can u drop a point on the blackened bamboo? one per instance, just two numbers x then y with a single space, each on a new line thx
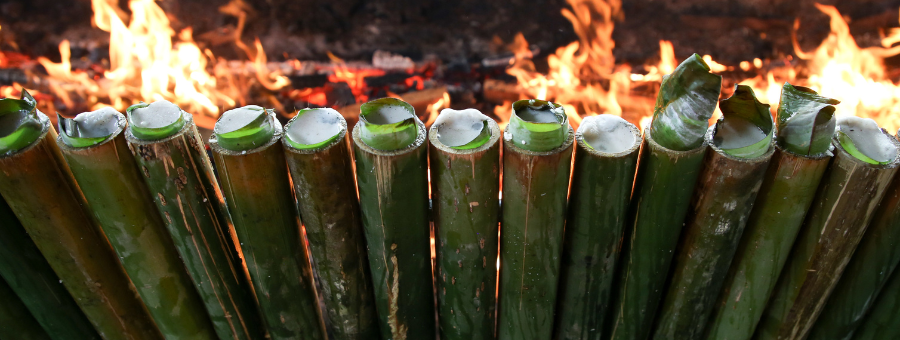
393 194
29 275
881 322
466 208
16 321
115 192
326 197
598 203
179 176
40 190
724 196
257 190
846 199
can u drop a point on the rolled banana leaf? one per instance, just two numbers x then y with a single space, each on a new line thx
39 188
603 174
254 179
94 146
318 156
179 177
391 171
465 177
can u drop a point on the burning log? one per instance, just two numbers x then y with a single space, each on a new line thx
740 147
391 170
465 178
803 143
849 193
672 157
31 279
94 146
251 165
39 188
165 143
318 156
15 320
603 174
537 159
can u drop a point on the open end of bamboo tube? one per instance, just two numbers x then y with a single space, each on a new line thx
687 98
864 140
609 134
20 123
314 128
245 128
91 128
388 124
156 120
463 129
745 129
537 125
805 121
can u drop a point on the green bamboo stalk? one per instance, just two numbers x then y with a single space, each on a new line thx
601 188
727 187
40 190
668 171
112 185
874 260
16 321
254 178
785 196
465 188
391 170
179 177
326 197
847 197
535 185
29 275
881 322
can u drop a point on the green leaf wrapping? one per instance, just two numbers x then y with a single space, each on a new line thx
19 123
389 136
805 121
686 101
743 105
256 133
152 133
302 146
537 136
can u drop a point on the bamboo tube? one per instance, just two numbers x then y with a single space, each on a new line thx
29 275
465 177
179 176
112 185
391 170
322 174
728 185
252 171
881 322
16 322
874 260
39 188
601 188
786 193
848 195
537 158
671 157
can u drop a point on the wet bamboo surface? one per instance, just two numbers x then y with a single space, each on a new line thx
466 208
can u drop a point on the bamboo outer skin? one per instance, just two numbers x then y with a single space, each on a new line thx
785 196
16 322
120 201
535 185
601 190
326 198
720 206
881 321
393 199
663 186
874 260
29 275
846 199
258 194
39 188
466 207
179 177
